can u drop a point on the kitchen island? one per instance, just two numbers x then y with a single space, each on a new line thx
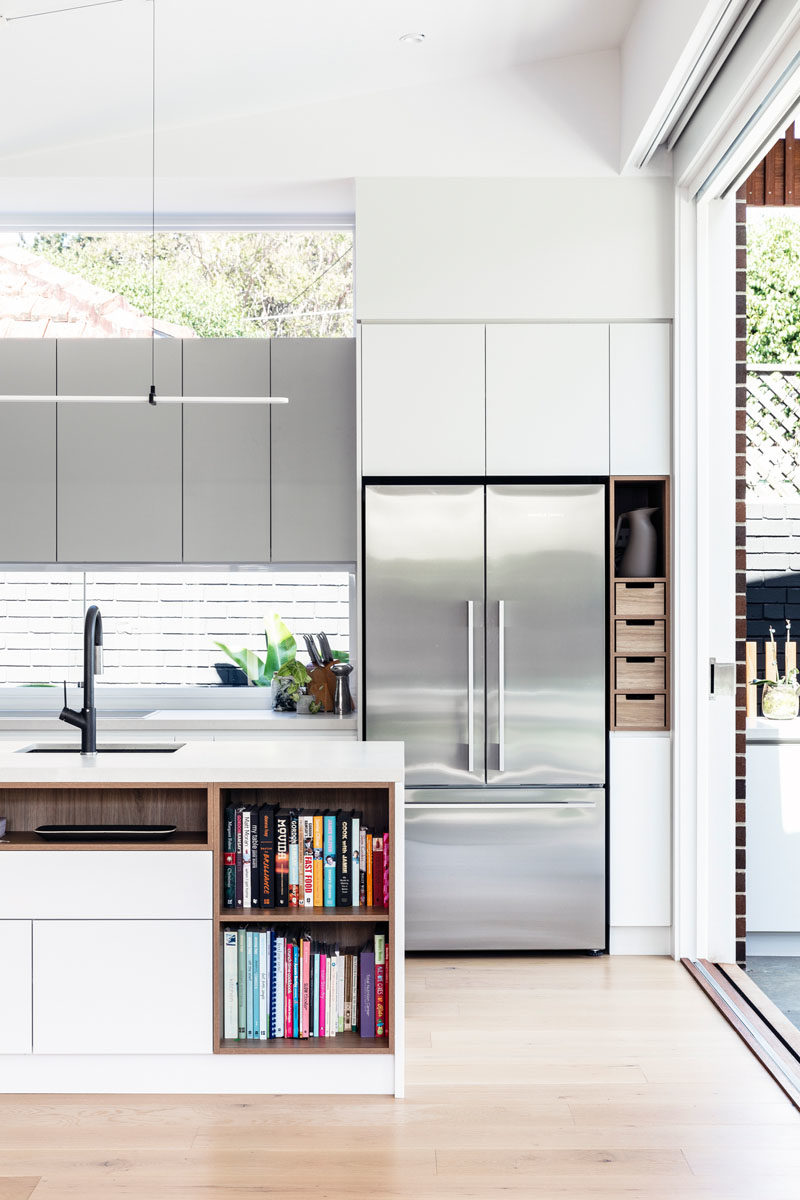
112 951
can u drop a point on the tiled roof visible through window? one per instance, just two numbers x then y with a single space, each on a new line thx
39 299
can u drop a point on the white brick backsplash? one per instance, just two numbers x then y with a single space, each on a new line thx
159 627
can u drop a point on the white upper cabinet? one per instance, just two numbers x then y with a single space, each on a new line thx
641 376
423 400
27 452
547 399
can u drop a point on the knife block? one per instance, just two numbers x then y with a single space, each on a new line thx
322 686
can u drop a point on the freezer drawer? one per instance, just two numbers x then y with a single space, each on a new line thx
524 871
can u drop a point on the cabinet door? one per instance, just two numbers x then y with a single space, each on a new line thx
314 450
27 452
226 483
547 399
226 367
423 400
122 987
640 831
640 375
15 987
119 367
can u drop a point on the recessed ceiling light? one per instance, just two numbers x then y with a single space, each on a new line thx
414 39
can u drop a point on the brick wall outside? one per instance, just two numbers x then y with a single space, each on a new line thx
159 627
741 570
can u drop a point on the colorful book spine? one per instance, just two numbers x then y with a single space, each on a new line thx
239 874
386 870
288 976
294 861
369 869
323 990
247 877
319 866
307 823
366 1021
241 972
282 860
249 984
354 993
295 990
280 986
362 862
380 986
355 860
263 986
230 968
377 872
266 826
330 999
315 992
340 988
230 858
255 861
329 848
305 988
256 985
386 992
343 859
348 994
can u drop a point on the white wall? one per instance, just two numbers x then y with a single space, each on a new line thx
505 249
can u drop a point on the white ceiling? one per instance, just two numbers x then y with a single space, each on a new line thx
290 93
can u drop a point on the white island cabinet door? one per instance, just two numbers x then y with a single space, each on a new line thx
547 399
15 987
122 987
641 389
422 400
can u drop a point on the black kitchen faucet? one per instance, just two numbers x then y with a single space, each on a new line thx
86 719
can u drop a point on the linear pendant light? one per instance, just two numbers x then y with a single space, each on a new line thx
152 398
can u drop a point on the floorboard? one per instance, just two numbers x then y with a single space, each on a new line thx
565 1078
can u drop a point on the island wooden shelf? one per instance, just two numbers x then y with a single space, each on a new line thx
299 916
343 1043
27 840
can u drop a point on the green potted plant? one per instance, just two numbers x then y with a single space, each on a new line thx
279 670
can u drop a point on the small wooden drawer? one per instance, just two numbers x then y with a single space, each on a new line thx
640 599
640 711
640 637
640 674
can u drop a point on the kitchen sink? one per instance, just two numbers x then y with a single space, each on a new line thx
112 748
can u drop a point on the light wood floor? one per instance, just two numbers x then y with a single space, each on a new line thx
548 1078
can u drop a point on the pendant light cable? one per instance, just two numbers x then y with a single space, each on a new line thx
152 396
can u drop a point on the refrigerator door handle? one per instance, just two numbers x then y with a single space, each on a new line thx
470 685
501 685
490 806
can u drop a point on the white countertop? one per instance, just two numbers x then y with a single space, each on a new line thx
763 731
186 719
273 761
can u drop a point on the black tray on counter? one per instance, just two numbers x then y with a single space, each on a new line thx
105 833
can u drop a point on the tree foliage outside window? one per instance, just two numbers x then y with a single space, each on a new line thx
773 290
263 284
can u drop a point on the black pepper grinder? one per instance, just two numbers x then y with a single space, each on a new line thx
342 701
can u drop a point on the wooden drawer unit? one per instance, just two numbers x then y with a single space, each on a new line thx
640 599
640 637
640 711
640 674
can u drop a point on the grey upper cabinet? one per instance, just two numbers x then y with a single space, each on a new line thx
27 452
314 450
226 367
118 367
547 399
119 483
226 452
119 465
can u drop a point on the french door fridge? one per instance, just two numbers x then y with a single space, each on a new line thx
485 652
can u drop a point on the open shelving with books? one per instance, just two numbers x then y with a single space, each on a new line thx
333 929
639 607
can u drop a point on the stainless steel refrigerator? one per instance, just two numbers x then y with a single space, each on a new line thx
485 652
